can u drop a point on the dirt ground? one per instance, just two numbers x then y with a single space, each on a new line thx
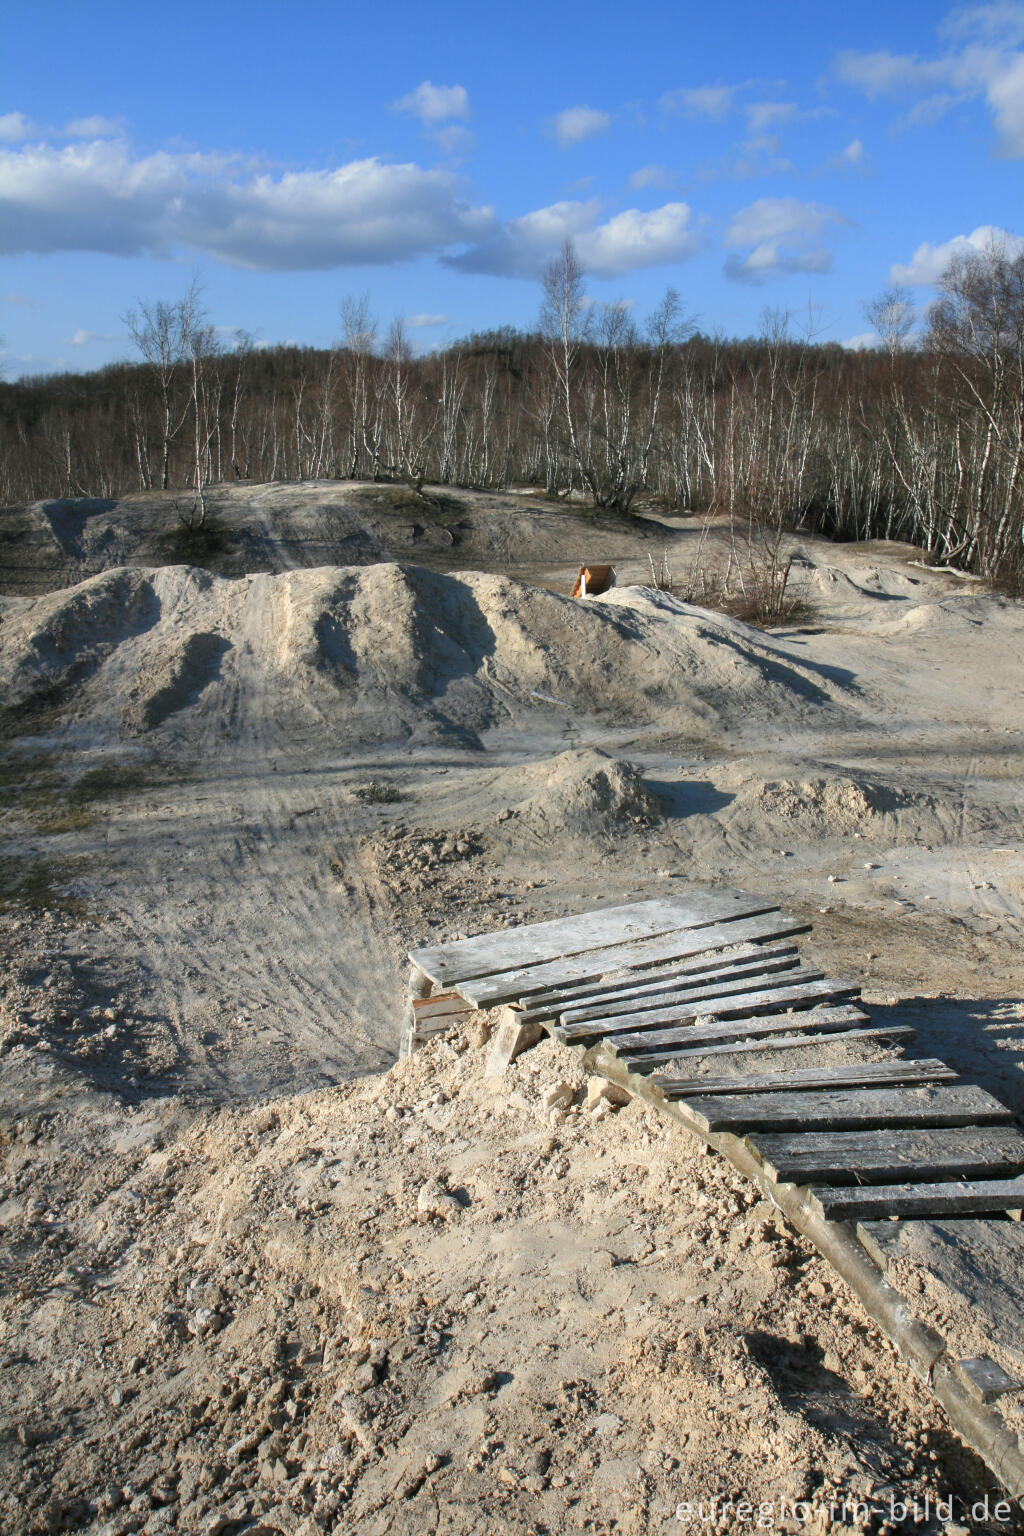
255 1276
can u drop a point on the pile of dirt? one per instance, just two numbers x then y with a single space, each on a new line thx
583 794
841 806
428 1301
381 653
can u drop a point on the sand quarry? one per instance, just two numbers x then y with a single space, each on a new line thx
257 1277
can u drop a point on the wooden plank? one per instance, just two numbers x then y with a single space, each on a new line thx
655 979
973 1267
534 943
715 1003
749 977
898 1034
442 1005
846 1109
888 1157
527 980
954 1199
985 1380
665 1042
857 1074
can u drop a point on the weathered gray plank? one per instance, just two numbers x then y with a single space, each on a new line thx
898 1034
527 980
919 1200
846 1109
666 1041
985 1380
973 1267
658 978
535 943
722 1006
753 976
889 1157
857 1074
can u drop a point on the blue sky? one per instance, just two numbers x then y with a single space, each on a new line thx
794 156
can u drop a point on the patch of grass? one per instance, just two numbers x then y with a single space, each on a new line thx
39 885
53 805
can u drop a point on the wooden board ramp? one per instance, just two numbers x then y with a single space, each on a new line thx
871 1154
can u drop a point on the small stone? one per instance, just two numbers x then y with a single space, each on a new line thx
603 1090
557 1096
434 1200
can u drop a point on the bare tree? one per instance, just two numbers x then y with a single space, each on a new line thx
565 323
160 331
891 315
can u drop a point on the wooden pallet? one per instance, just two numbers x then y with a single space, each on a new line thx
670 998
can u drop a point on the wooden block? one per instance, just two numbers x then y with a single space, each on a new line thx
534 943
918 1200
888 1157
510 1040
897 1034
715 1003
662 978
665 1041
439 1006
858 1074
526 980
985 1380
849 1109
740 978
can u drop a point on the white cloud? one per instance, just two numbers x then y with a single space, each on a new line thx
929 262
14 127
650 176
628 241
852 158
424 322
434 103
866 341
98 197
85 338
576 124
93 128
714 101
762 115
783 235
986 62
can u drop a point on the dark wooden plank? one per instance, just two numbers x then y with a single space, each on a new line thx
897 1034
527 980
535 943
973 1267
985 1380
846 1109
657 979
720 1006
857 1074
664 1042
890 1157
954 1199
755 975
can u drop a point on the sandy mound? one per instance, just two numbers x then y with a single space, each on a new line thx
579 794
839 806
382 653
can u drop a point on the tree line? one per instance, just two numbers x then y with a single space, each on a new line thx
920 440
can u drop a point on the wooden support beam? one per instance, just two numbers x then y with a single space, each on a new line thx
919 1200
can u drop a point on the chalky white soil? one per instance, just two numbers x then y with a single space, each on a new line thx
232 1297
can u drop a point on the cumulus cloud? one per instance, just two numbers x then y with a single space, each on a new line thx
985 62
627 241
14 127
576 124
93 128
650 176
96 196
929 262
434 104
782 235
714 101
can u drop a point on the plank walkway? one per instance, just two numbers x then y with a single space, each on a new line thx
875 1157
